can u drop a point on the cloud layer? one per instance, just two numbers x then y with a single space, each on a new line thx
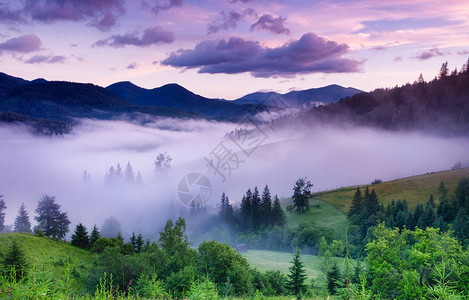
101 14
272 24
22 44
151 36
309 54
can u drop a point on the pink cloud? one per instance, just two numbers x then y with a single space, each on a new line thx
23 44
309 54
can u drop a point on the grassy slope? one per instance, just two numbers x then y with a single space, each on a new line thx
414 189
320 212
47 255
264 260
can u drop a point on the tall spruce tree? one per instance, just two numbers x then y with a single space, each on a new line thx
297 276
278 215
222 212
139 243
256 209
266 208
80 237
129 173
94 236
22 223
15 261
357 204
301 195
246 212
333 279
2 214
52 222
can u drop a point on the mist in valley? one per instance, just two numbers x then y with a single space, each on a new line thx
328 156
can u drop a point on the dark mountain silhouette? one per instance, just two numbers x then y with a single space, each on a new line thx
440 106
177 97
300 99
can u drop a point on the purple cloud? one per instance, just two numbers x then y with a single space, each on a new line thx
429 54
398 58
465 52
159 5
48 59
309 54
101 14
151 36
272 24
23 44
243 1
132 65
229 20
10 16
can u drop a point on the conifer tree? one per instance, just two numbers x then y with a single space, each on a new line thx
256 209
2 214
139 243
266 208
22 223
297 276
94 236
357 203
333 279
80 237
15 259
278 215
129 173
246 211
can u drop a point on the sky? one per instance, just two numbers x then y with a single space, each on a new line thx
228 48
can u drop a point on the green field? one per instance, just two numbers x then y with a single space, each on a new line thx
48 256
414 189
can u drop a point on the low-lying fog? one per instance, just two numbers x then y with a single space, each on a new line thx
31 166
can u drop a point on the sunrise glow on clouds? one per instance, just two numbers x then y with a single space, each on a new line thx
228 48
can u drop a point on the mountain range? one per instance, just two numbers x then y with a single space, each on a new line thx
43 103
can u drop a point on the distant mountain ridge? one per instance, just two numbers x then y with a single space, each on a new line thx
177 97
300 99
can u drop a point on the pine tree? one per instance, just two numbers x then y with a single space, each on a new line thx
229 213
357 204
15 259
52 222
139 243
111 175
420 79
2 214
80 237
222 212
256 209
133 241
22 223
119 174
443 70
297 276
246 211
278 215
94 236
372 203
139 180
266 208
129 173
333 279
301 194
